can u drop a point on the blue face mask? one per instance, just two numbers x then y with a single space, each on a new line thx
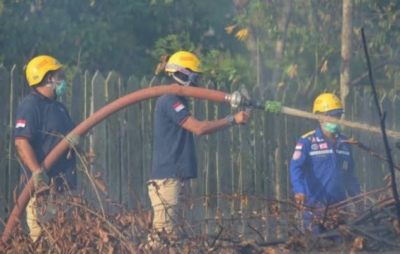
332 127
60 89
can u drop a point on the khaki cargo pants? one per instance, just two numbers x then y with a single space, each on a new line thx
166 196
36 213
32 220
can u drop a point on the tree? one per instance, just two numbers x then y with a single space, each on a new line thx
347 30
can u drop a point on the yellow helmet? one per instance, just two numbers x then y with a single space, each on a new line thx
38 67
182 61
327 103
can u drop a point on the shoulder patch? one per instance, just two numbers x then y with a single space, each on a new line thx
308 134
296 155
178 106
20 123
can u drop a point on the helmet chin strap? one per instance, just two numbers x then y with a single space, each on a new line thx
52 85
185 83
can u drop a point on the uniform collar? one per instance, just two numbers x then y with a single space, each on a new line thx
38 94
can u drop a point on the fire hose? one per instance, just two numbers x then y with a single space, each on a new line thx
100 115
235 99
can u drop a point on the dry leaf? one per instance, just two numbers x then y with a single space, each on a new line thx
274 208
358 244
90 155
98 179
15 195
292 72
396 226
242 34
324 67
161 64
229 29
206 203
110 250
245 200
104 236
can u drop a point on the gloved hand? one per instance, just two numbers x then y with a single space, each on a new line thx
40 179
300 198
273 107
75 141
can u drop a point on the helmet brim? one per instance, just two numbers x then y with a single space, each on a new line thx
335 112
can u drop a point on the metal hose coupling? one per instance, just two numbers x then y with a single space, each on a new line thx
235 99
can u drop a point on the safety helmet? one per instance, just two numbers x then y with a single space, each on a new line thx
328 103
186 63
38 67
183 60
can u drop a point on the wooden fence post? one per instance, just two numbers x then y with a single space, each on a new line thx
5 126
76 110
113 144
134 174
98 141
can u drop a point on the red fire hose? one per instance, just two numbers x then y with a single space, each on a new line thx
97 117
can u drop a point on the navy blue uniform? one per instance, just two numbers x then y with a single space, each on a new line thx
174 153
324 174
42 121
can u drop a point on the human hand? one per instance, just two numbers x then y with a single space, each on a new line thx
74 140
300 198
40 179
242 117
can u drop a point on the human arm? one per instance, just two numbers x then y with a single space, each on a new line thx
25 130
207 127
297 174
26 153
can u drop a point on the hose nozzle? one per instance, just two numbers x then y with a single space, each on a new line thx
235 99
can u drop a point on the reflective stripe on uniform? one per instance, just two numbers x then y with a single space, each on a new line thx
321 152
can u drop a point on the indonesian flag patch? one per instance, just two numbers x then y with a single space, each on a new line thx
299 146
178 106
20 123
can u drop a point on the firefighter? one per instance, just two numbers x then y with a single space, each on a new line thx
174 156
322 166
40 123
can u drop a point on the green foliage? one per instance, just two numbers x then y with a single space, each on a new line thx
172 43
236 43
227 67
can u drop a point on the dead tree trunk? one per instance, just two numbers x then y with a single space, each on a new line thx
347 32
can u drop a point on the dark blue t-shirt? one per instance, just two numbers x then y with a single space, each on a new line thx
43 122
174 153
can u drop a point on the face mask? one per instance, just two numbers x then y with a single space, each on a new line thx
60 89
332 127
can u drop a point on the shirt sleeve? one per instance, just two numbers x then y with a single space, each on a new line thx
352 184
26 122
176 109
297 166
